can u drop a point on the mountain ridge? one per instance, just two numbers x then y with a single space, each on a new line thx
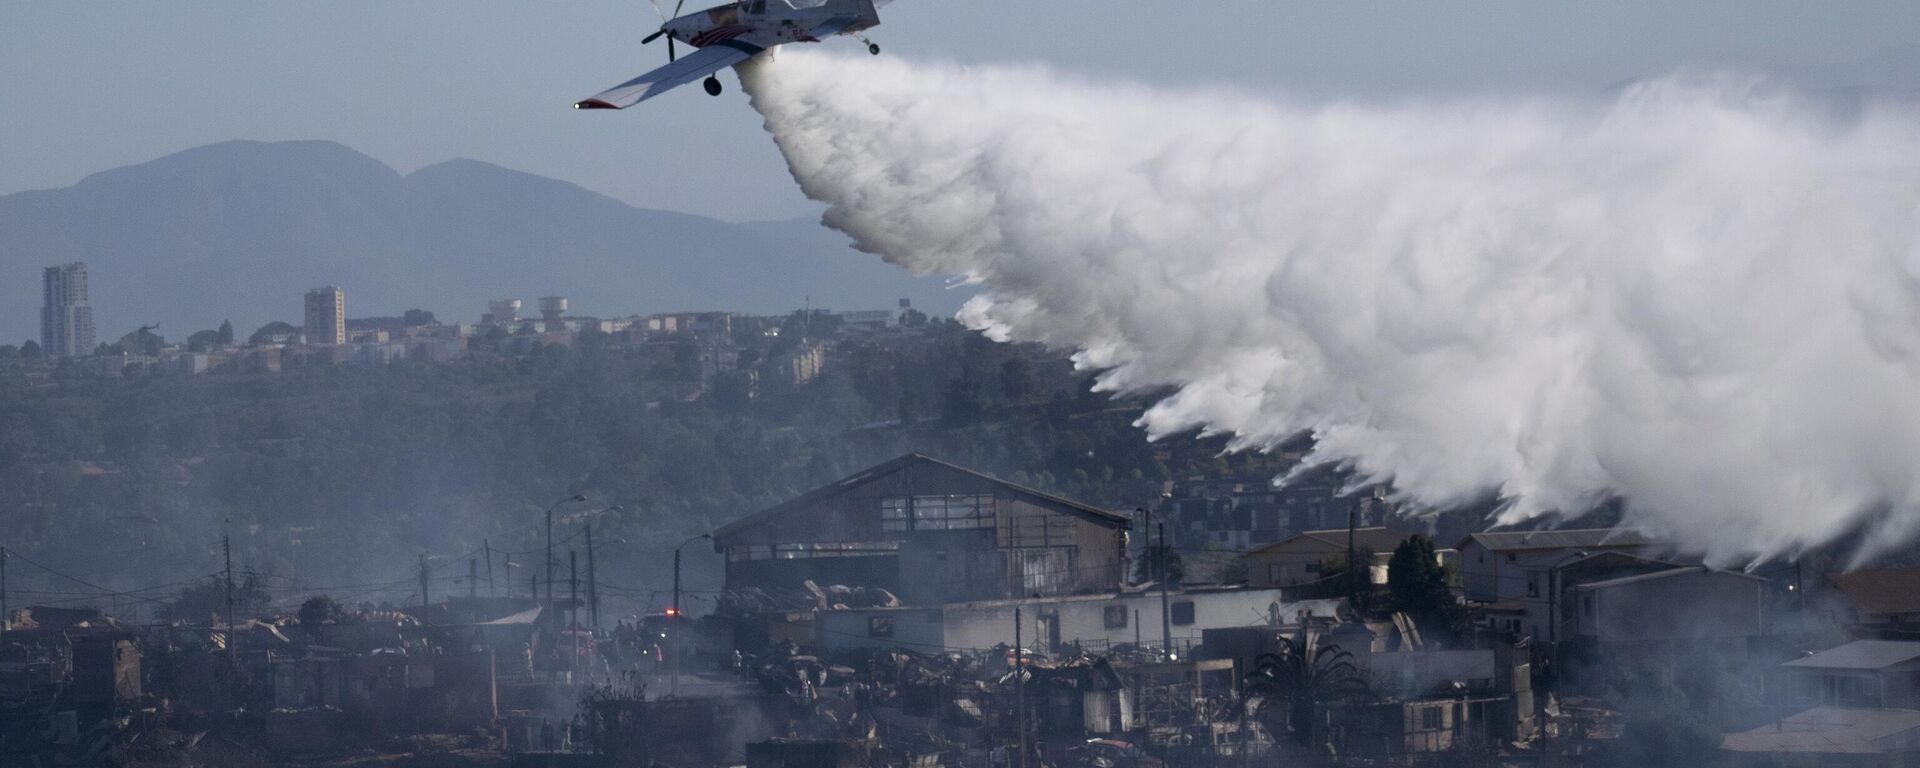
240 230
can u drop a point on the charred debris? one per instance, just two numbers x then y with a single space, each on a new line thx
920 614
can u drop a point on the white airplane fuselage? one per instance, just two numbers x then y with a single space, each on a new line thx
763 23
729 34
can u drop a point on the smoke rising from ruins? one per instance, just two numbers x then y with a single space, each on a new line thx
1700 295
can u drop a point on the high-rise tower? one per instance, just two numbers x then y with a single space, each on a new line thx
326 316
66 317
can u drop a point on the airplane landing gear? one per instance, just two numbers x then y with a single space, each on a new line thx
712 84
873 48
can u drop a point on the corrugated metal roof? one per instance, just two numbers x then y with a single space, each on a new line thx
1828 731
1584 538
1666 574
1884 591
1380 539
1861 654
857 479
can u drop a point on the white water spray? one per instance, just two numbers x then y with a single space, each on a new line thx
1700 297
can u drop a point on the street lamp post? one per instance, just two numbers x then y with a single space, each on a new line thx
674 643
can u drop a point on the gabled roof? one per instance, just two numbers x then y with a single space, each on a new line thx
1881 591
1380 539
1686 570
1861 654
1583 538
877 471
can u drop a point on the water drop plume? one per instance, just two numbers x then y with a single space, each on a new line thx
1699 295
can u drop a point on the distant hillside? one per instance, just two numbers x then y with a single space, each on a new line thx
241 229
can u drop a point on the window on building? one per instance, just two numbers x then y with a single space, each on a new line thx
1586 606
1430 719
1533 585
1511 558
1313 567
1181 613
879 626
1114 617
952 512
746 552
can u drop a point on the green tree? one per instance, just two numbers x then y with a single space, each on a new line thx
961 404
226 333
1417 584
1162 561
30 350
321 609
1016 380
206 601
202 341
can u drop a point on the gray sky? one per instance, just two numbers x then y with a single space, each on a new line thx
86 86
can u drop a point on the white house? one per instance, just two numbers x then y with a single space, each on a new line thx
1092 621
1519 570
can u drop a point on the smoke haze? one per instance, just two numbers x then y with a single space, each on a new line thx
1701 295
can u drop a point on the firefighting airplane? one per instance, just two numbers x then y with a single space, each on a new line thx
729 34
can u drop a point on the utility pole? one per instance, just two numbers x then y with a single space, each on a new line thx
509 578
473 578
226 552
425 600
573 615
550 508
1353 590
593 587
488 546
1166 621
1020 685
673 626
549 559
676 617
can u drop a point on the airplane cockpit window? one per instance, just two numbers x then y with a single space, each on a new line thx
757 7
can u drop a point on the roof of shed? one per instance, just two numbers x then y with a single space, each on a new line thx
870 474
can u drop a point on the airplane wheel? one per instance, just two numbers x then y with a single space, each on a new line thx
713 85
873 48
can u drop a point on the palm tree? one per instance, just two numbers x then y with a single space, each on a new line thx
1304 673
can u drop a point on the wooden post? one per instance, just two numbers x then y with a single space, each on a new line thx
488 547
1020 686
573 616
593 588
226 552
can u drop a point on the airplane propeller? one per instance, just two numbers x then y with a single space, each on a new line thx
664 19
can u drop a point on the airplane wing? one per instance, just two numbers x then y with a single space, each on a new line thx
688 68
